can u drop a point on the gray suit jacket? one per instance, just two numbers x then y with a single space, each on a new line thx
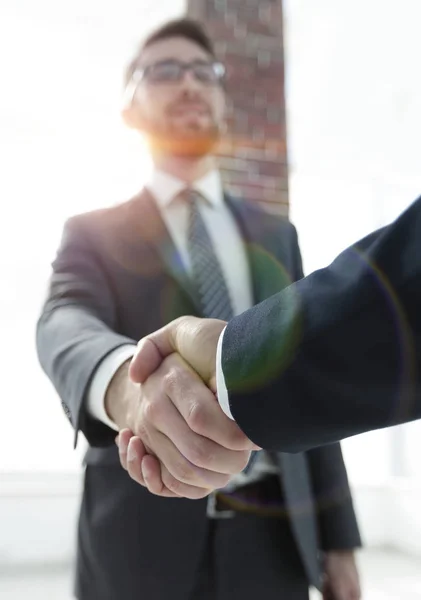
116 278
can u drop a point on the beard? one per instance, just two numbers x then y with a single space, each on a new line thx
188 141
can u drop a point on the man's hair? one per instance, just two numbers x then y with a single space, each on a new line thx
185 28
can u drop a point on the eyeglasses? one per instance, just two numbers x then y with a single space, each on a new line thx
172 71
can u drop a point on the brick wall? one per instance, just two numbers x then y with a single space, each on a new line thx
248 38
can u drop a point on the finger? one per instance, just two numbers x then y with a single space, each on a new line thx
152 350
182 336
151 470
145 361
182 490
135 454
165 424
160 482
199 407
123 444
182 469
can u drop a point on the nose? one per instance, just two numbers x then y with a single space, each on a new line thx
189 81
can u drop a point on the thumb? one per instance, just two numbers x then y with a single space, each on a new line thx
152 349
145 361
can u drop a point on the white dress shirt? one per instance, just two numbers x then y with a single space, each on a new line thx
231 253
221 388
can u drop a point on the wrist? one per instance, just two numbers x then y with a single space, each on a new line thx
120 396
209 336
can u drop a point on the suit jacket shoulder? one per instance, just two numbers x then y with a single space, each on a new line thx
103 217
254 209
270 233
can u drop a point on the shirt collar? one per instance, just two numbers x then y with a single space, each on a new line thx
165 188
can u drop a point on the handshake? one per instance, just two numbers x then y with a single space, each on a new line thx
174 437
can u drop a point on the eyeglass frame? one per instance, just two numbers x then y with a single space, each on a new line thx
140 73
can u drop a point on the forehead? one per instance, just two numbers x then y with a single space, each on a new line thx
178 48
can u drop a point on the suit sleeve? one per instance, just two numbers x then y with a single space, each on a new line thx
336 517
337 353
75 329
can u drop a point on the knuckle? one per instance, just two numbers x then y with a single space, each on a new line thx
201 454
237 439
183 472
151 410
170 379
172 484
196 417
138 425
155 488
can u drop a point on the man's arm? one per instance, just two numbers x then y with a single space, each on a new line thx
75 330
101 383
75 335
337 353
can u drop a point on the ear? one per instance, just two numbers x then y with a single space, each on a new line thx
131 118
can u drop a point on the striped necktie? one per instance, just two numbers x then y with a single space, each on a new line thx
206 271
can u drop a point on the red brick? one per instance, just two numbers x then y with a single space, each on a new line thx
241 165
249 40
273 169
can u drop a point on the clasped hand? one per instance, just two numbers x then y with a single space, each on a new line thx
179 442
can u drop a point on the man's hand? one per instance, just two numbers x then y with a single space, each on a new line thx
341 577
175 419
195 339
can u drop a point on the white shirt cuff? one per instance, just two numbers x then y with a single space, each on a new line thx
101 380
221 388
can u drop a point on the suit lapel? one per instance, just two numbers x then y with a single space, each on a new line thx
268 272
268 259
150 228
263 246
